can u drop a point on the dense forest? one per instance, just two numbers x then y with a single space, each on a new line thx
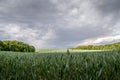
17 46
113 46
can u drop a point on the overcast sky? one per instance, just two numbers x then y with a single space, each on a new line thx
60 23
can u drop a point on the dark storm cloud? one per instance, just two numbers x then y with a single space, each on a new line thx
69 36
108 6
59 23
27 10
108 10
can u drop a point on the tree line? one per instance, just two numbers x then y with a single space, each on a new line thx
114 46
18 46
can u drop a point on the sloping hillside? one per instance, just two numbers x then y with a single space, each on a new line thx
113 46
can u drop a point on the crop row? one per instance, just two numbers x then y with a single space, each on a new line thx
79 66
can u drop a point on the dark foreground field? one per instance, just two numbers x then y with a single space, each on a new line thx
77 66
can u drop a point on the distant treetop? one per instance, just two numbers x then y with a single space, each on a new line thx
18 46
114 46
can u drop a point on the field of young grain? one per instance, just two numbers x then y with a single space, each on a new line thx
65 50
80 66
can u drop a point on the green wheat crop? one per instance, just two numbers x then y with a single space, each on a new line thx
80 66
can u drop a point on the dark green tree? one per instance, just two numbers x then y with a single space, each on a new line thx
17 46
1 46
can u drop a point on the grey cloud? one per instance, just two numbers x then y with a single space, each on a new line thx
27 10
39 37
74 36
107 7
58 23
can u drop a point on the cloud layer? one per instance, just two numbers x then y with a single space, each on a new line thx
60 23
